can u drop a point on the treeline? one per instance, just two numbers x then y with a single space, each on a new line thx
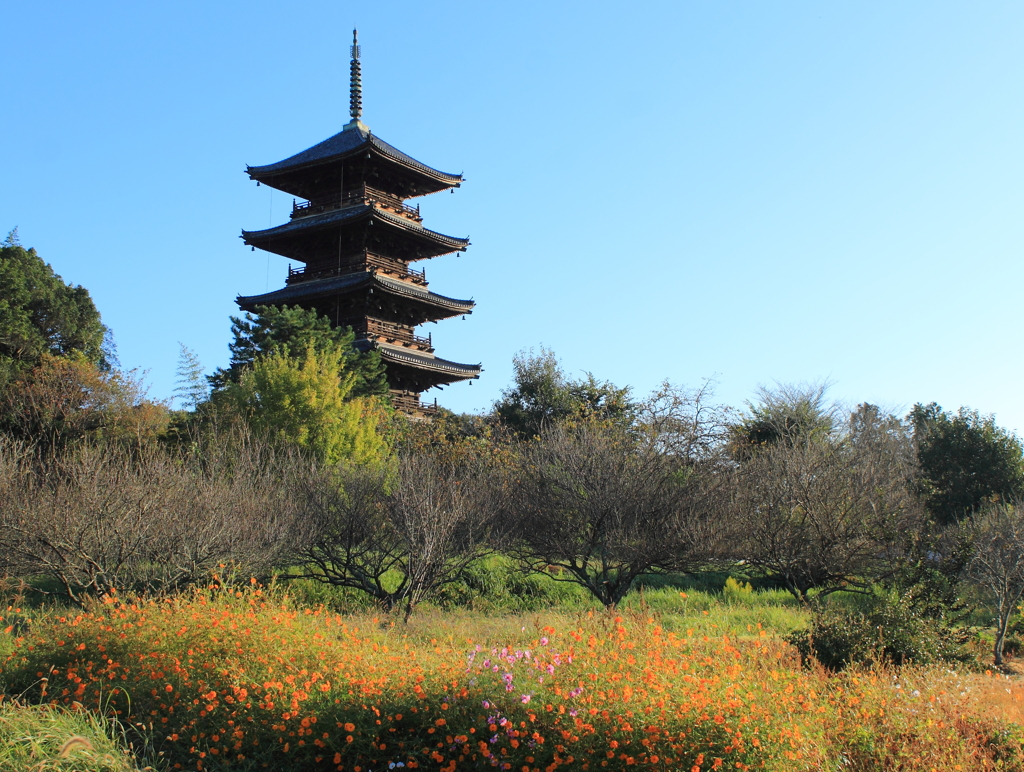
291 461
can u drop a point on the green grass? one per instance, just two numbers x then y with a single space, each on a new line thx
710 602
40 738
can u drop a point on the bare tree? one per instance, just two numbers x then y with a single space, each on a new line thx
102 518
828 512
419 527
685 423
998 562
606 506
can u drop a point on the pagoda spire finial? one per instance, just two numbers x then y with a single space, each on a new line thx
355 100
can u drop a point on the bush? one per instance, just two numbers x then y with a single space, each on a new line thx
498 584
737 591
888 630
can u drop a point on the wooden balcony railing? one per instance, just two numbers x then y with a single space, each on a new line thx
389 332
361 195
396 268
388 266
409 403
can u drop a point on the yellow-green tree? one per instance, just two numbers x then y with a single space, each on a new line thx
305 401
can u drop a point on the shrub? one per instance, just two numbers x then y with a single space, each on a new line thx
888 630
737 590
497 583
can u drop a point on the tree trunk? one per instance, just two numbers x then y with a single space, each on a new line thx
1003 623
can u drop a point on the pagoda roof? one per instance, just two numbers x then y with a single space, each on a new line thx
345 143
352 282
420 361
351 214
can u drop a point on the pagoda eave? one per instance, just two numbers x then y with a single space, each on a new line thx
352 143
423 371
282 238
428 306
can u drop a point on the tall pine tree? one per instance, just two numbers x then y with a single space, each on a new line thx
290 332
191 389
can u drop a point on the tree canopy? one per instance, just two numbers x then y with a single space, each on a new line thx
542 395
65 399
306 401
787 414
41 314
965 460
190 389
290 332
828 512
605 505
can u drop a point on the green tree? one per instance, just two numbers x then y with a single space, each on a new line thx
965 461
788 414
307 401
290 331
542 395
40 314
191 389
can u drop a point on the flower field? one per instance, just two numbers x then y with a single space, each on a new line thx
240 681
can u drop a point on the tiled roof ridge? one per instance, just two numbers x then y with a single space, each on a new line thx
407 223
414 291
303 288
310 156
426 362
390 150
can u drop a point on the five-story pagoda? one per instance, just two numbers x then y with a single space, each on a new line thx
357 237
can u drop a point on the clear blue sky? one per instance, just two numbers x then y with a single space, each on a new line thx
755 191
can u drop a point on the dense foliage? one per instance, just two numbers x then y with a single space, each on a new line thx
543 395
307 401
290 332
786 415
889 628
40 314
62 400
966 460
